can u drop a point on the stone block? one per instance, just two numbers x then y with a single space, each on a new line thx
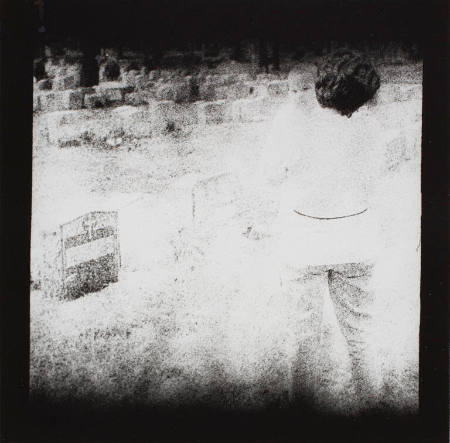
231 78
43 85
142 82
63 100
164 109
112 96
179 92
67 125
104 128
136 99
51 101
136 121
168 115
265 78
166 75
110 85
93 101
214 112
254 109
69 117
226 79
278 89
245 77
207 91
74 99
133 63
165 92
225 86
233 92
67 82
90 247
136 79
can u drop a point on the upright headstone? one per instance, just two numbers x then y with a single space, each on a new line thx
90 252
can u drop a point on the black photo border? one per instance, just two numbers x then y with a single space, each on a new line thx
22 422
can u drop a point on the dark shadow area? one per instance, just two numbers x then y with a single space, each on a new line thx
158 26
207 422
112 70
39 69
435 272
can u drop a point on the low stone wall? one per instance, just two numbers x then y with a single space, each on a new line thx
125 125
133 79
109 94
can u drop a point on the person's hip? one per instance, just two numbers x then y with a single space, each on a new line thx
302 241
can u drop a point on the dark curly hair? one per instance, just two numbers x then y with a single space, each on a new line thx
345 82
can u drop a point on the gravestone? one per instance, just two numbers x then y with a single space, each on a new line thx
90 252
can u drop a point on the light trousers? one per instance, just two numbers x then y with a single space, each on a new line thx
306 289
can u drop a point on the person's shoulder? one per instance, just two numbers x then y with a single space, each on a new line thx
399 114
366 123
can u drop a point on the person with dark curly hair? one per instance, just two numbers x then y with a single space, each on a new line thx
345 82
325 168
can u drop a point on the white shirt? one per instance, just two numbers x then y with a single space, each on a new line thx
326 166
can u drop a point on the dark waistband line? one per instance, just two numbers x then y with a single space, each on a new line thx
330 218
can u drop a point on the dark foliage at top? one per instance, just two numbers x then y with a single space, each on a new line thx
345 82
158 25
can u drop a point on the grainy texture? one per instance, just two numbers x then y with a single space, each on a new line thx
197 314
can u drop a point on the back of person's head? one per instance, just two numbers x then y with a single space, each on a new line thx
345 82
